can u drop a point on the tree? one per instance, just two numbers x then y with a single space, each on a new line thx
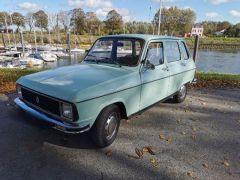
64 17
4 18
77 21
114 21
41 20
29 20
18 20
175 21
92 23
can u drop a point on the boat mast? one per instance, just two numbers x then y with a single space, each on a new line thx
159 17
6 25
12 30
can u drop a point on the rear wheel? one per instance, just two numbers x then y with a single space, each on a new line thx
181 95
105 129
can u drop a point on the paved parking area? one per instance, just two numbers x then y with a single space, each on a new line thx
199 139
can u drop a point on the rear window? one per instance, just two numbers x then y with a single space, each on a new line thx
185 54
172 51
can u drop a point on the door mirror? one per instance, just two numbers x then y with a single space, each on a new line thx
87 50
150 65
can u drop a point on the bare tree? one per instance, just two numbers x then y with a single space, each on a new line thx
64 18
29 21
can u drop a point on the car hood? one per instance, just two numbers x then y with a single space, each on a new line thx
80 82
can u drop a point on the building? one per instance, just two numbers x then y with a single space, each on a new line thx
197 31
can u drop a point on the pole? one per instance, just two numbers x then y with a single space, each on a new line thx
3 40
21 38
159 17
5 19
15 42
68 43
196 45
35 39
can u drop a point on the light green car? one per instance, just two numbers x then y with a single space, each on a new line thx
120 76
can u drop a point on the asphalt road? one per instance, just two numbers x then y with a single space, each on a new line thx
198 139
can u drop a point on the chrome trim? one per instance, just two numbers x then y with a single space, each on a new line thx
61 126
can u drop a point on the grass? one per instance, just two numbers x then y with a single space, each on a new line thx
8 77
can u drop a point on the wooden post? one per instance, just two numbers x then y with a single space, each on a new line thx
3 40
22 43
69 44
195 50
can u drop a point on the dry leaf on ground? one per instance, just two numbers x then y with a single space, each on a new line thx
205 165
139 153
109 152
161 136
226 163
183 133
154 162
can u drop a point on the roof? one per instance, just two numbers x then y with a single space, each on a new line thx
145 37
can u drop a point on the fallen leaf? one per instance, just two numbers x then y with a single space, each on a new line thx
194 129
131 156
144 150
139 153
205 165
194 137
162 137
183 133
153 162
178 121
109 152
226 163
190 174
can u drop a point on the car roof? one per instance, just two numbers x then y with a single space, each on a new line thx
146 37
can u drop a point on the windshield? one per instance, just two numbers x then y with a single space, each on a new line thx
124 52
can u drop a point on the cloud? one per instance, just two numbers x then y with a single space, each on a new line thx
234 13
89 3
28 6
212 15
217 2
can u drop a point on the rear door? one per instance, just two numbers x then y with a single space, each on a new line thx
154 82
175 65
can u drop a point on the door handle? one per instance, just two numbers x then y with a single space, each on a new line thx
165 69
183 64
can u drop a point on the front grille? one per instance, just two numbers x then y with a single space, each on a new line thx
48 104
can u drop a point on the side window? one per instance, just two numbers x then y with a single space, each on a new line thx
172 51
155 53
184 51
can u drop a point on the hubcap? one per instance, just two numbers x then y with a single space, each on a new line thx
111 126
182 92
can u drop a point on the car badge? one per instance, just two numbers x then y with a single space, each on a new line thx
37 100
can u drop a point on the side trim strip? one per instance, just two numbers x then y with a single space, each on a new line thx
132 87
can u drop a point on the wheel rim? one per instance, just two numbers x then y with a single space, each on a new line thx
111 126
182 92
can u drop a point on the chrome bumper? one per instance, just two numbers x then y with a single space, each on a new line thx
61 126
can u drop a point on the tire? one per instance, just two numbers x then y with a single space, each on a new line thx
105 129
181 94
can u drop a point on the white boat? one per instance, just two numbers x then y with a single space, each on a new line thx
46 48
45 56
30 62
77 50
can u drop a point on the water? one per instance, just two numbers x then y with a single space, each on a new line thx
207 61
219 61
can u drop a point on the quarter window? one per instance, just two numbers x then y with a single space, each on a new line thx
184 51
155 53
172 51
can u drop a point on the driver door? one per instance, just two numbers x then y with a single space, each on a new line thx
155 81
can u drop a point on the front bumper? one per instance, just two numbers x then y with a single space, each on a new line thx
61 126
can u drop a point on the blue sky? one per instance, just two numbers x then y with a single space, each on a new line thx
217 10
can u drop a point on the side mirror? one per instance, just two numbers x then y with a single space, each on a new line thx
87 50
150 65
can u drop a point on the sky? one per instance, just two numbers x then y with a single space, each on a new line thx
139 10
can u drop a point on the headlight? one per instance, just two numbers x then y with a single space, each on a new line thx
19 91
67 111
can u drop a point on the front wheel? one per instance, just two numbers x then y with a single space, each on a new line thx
105 129
181 94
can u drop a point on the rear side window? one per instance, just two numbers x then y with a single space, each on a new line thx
155 53
172 51
185 54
